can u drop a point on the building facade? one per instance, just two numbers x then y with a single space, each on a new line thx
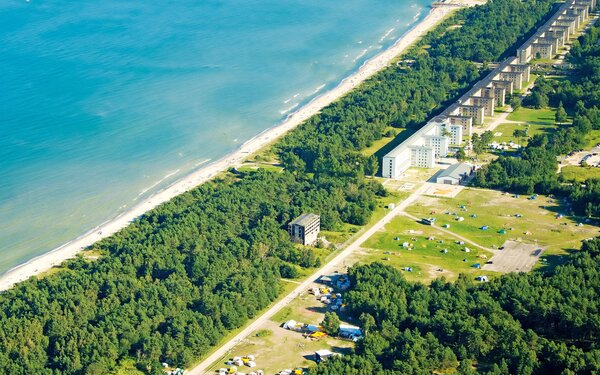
305 229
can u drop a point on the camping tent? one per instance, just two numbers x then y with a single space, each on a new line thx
290 324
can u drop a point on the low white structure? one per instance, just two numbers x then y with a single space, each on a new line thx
455 174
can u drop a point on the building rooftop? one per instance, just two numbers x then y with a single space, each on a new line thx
456 170
305 219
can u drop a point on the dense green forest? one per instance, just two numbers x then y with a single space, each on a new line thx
526 323
535 168
172 284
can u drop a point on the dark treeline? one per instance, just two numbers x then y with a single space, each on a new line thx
534 170
172 284
527 323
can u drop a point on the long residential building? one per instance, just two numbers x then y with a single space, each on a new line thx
455 123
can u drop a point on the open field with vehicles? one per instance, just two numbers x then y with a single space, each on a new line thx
422 252
276 348
281 349
499 217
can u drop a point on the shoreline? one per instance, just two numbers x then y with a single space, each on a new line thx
46 261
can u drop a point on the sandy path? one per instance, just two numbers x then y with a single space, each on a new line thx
70 249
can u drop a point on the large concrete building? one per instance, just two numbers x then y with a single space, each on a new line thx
465 122
422 148
305 229
457 121
556 31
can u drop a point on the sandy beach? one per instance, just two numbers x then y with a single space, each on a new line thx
69 250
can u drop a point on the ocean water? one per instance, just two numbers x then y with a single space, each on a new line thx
102 103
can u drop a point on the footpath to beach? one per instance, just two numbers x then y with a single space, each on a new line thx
377 63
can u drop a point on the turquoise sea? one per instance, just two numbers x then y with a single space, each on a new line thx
103 103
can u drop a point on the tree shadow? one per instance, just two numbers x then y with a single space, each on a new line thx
342 350
318 309
555 260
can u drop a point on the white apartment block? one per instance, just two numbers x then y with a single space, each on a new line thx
422 156
432 140
439 143
466 124
421 148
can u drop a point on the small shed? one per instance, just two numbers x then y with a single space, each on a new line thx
455 174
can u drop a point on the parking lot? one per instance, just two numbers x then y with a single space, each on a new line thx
514 257
591 158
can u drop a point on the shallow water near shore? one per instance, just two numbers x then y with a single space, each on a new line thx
104 103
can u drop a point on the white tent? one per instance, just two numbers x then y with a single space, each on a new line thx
290 324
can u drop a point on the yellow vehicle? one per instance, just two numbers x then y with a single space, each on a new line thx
299 371
317 335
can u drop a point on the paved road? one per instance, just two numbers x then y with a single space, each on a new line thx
204 366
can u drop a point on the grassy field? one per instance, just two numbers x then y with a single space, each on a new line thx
427 254
282 349
580 173
592 138
251 167
538 223
340 236
380 143
531 128
544 116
